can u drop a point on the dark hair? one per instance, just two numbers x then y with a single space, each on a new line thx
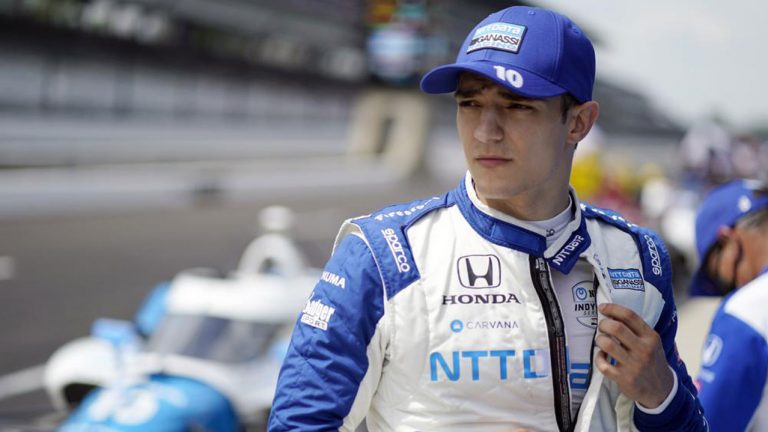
567 101
755 220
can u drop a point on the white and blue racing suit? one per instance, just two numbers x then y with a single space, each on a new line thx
733 382
438 315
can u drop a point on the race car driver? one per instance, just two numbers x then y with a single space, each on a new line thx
505 303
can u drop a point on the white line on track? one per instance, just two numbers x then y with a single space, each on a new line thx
23 381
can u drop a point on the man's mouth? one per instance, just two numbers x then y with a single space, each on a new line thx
491 161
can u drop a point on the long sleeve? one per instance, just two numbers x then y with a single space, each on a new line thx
733 376
684 411
334 360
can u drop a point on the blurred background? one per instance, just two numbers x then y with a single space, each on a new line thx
139 138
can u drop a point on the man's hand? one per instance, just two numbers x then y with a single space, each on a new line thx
640 368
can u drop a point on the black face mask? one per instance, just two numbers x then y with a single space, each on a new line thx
724 287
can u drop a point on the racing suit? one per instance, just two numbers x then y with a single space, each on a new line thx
435 315
733 381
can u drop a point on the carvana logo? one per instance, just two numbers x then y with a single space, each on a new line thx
457 326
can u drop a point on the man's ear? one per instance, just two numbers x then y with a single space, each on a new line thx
581 120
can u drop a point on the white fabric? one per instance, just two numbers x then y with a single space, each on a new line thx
668 400
406 398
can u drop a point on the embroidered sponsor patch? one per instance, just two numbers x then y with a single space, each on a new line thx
627 279
317 314
501 36
584 303
407 212
334 279
396 247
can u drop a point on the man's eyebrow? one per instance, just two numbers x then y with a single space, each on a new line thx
470 92
466 93
518 98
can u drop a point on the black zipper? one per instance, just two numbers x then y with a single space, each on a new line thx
556 332
591 356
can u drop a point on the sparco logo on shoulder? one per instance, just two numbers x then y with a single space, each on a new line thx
465 299
401 260
655 259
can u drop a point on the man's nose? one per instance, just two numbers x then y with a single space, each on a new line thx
489 129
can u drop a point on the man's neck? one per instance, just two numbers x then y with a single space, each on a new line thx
530 207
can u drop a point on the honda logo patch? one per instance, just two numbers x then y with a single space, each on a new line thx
479 271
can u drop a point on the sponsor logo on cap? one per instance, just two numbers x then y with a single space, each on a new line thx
501 36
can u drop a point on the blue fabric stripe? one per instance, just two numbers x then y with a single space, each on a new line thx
386 231
567 257
738 374
323 369
685 412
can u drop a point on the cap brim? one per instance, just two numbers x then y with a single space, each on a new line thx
701 285
445 79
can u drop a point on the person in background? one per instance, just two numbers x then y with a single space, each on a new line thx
504 304
732 244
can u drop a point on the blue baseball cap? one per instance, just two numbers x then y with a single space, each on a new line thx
723 207
533 52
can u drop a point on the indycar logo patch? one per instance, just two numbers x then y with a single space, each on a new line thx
584 303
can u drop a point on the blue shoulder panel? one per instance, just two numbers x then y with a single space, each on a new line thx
734 372
327 357
385 231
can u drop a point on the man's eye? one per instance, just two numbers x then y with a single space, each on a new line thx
467 103
517 106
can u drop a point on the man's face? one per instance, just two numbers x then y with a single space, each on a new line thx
513 145
737 257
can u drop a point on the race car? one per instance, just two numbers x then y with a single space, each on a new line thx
203 352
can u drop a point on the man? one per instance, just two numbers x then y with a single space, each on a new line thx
476 310
732 243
